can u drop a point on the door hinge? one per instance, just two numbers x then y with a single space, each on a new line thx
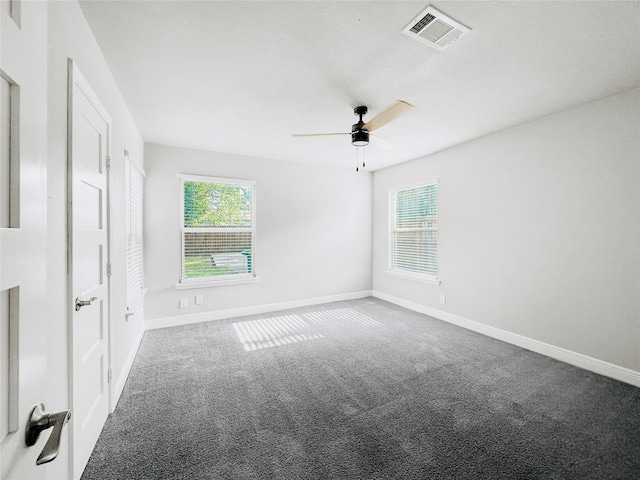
108 162
109 375
108 269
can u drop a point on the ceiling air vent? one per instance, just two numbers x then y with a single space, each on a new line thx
435 29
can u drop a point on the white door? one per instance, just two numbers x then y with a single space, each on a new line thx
23 220
88 260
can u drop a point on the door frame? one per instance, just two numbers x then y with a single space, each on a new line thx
76 78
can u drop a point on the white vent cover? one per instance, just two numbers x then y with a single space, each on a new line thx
434 28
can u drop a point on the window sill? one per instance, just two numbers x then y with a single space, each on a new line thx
215 283
415 277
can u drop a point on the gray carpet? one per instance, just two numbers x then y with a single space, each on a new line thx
361 390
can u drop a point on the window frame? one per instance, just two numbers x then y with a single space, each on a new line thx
392 204
213 281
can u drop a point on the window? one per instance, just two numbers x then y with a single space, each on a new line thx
414 232
218 230
134 192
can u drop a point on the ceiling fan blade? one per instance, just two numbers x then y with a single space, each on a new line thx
391 113
318 134
380 143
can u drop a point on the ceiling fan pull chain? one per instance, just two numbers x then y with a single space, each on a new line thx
358 150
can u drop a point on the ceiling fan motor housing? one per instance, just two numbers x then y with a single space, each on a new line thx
359 136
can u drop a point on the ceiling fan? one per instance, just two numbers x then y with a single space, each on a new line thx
361 131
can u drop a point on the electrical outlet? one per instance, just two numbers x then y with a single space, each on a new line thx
199 300
183 303
443 299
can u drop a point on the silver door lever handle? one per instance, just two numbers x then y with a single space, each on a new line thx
39 421
83 303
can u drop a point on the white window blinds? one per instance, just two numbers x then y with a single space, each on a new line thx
218 229
134 194
414 231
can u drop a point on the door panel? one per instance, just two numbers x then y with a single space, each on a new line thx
84 214
5 151
88 257
87 269
23 220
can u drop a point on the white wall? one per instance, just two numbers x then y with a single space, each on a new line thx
70 37
313 231
539 230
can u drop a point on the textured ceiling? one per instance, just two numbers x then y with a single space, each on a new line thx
242 77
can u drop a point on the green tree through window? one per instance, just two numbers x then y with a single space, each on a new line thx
216 205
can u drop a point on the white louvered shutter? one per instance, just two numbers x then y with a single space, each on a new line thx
134 194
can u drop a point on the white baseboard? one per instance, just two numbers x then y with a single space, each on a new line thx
118 386
577 359
243 311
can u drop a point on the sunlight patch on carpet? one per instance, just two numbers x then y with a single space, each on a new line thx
288 329
341 317
273 332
